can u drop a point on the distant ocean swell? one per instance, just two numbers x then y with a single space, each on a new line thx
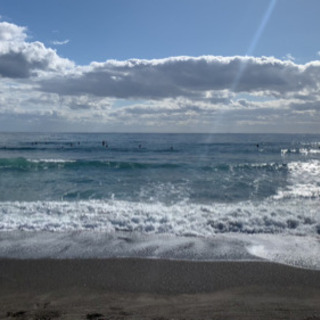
31 164
227 148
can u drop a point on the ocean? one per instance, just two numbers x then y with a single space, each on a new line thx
161 196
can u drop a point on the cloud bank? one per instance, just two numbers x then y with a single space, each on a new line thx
187 77
175 91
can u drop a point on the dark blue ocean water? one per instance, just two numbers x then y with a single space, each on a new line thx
179 185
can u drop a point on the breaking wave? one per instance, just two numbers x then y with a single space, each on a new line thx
182 219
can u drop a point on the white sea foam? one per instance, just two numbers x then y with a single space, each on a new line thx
299 190
180 219
51 160
287 151
302 151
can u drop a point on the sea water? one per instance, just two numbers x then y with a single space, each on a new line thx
173 196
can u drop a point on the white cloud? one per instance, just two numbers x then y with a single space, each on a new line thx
187 77
12 32
60 43
173 94
289 57
22 59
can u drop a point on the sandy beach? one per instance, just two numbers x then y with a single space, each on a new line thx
156 289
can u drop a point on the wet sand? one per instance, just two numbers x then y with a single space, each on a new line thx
156 289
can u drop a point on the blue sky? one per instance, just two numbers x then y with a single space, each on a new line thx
67 65
147 29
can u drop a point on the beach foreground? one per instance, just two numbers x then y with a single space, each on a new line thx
156 289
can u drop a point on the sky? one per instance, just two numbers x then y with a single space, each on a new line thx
160 66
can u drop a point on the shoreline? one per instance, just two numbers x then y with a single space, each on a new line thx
128 288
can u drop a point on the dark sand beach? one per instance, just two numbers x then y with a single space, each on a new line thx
156 289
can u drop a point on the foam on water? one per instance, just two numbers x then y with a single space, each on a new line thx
51 160
302 151
180 219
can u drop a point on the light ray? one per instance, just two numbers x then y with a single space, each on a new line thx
254 42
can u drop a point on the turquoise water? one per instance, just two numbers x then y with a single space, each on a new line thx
161 185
